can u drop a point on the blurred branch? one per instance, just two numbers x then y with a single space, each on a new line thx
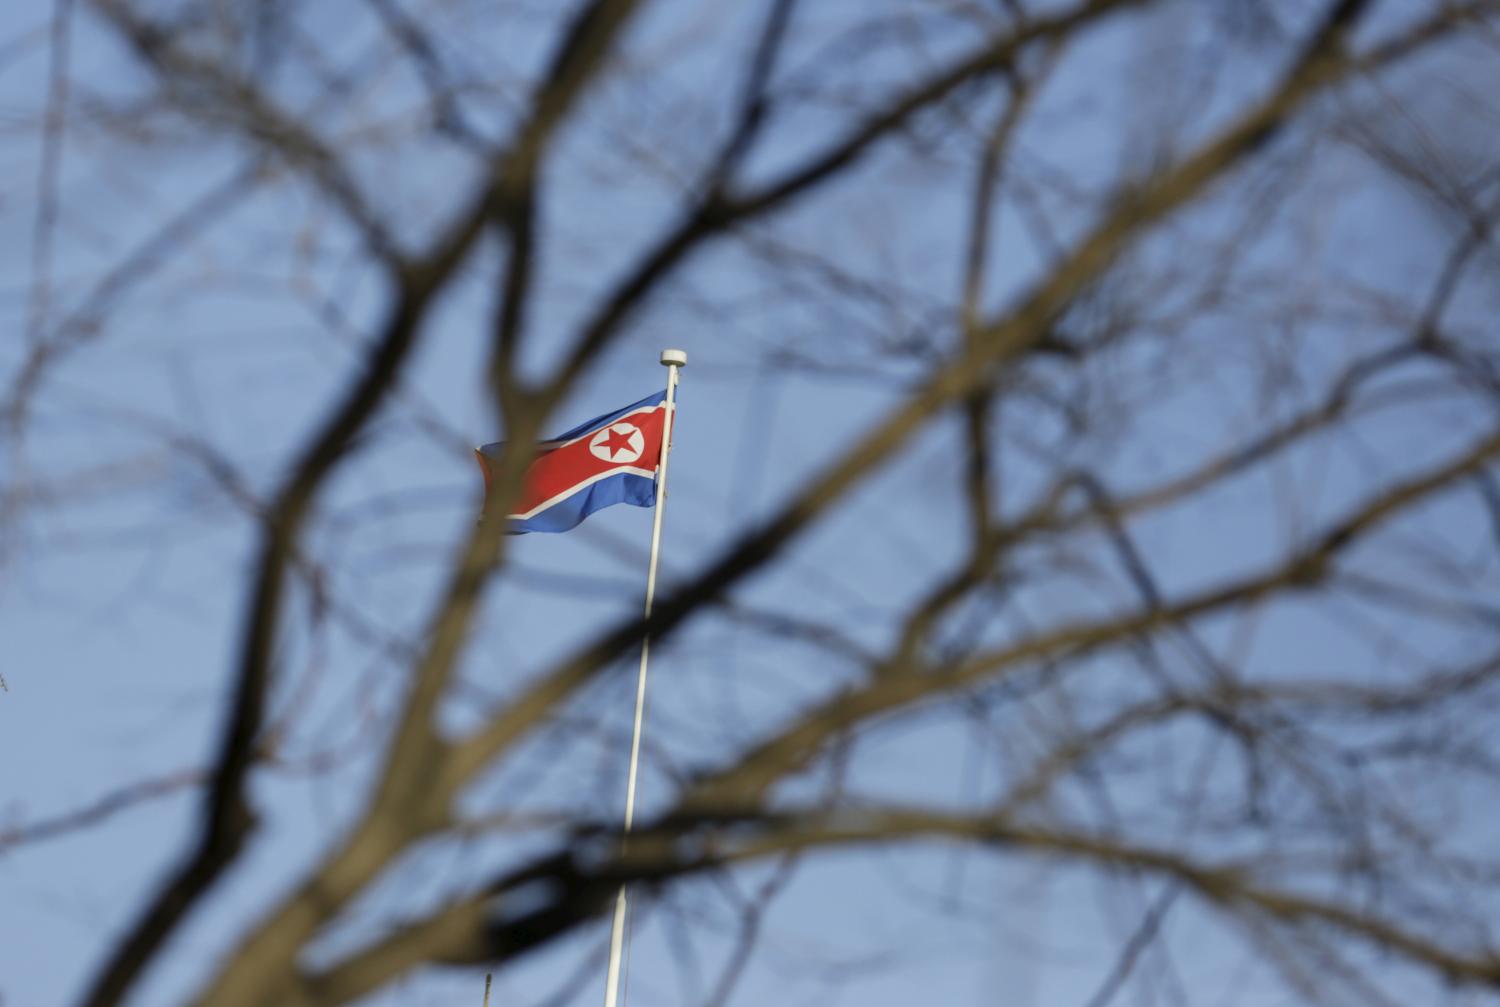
477 929
105 807
716 210
418 44
1149 929
752 919
196 80
86 322
790 750
50 171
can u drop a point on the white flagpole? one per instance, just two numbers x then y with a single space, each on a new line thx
673 360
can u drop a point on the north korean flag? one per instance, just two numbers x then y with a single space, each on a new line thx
610 459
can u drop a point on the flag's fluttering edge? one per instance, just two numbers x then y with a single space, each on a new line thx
610 459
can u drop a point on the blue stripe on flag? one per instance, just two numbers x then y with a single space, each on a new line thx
565 515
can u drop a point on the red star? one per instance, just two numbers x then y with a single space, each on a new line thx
616 442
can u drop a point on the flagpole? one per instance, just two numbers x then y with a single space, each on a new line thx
673 360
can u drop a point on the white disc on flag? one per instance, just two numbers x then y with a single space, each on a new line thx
619 443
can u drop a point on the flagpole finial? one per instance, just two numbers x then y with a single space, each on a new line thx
674 358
